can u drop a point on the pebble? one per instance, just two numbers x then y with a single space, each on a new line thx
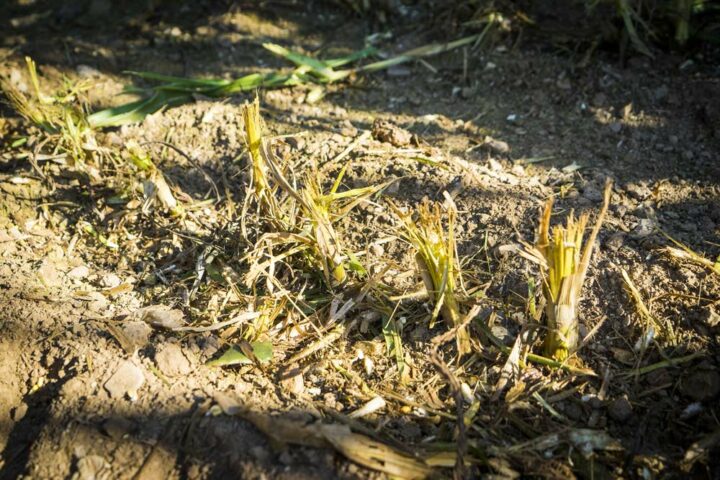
615 241
171 361
110 280
136 335
49 275
599 99
592 193
644 228
292 380
127 379
564 84
467 92
92 467
260 453
79 272
638 191
398 71
98 302
573 411
702 384
19 412
497 145
661 92
296 143
117 427
712 318
86 71
620 409
616 127
161 316
384 131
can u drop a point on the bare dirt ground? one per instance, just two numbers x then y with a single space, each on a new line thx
505 126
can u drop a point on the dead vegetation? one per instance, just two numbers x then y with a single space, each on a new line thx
286 283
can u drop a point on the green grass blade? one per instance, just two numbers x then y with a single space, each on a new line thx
262 350
136 111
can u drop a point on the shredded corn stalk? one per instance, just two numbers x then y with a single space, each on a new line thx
436 259
563 265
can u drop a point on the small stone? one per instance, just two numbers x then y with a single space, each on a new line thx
496 145
691 411
712 318
296 143
98 302
86 71
286 458
501 333
92 467
136 335
467 92
291 380
110 280
384 131
377 250
260 453
19 412
644 228
599 99
398 71
702 384
592 193
615 127
593 400
638 191
330 400
161 316
127 379
117 427
79 272
620 409
171 361
348 129
661 92
615 242
494 165
49 275
573 411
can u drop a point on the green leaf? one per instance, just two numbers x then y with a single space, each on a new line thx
233 356
215 273
19 142
117 200
393 341
315 66
137 111
355 265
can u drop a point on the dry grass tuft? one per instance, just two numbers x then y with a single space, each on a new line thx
60 115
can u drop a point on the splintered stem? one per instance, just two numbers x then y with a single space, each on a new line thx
564 265
436 260
254 139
